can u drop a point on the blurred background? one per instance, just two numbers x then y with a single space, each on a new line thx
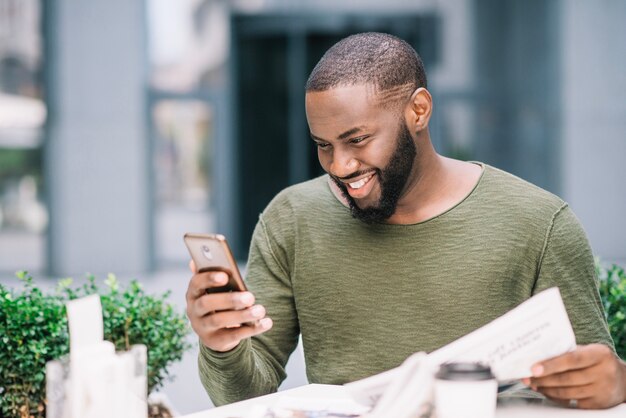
125 124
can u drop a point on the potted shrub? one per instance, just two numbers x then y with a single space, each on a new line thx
612 282
33 330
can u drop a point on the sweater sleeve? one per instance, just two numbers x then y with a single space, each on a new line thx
568 263
257 365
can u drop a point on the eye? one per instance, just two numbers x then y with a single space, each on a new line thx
322 145
358 139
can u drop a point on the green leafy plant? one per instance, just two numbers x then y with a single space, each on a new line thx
612 281
33 330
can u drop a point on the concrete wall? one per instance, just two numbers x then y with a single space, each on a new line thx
594 120
96 153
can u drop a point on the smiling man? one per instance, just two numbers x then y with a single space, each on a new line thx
396 250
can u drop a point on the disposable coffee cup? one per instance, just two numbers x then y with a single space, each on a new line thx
467 390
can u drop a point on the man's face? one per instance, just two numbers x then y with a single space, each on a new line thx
365 147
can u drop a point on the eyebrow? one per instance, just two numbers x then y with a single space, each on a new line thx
344 135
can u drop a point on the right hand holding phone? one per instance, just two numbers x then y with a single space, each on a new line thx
222 320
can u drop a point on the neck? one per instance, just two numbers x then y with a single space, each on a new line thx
436 185
428 177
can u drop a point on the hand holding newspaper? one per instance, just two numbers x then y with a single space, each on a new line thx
536 330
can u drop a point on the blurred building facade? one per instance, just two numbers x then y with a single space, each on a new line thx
23 215
157 118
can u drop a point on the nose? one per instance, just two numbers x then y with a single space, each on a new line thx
342 164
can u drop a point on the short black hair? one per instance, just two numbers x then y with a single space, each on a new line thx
387 62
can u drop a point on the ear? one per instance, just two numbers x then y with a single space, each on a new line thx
418 110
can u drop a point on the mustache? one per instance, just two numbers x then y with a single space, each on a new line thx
354 175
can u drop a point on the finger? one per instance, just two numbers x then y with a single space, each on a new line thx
567 393
570 378
581 357
226 337
200 282
231 319
227 301
192 267
593 403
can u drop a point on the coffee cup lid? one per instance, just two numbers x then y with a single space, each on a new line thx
462 371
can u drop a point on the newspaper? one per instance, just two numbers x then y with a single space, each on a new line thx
300 407
536 330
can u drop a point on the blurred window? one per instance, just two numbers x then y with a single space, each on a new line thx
188 50
182 163
23 215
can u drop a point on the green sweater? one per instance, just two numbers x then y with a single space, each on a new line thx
364 297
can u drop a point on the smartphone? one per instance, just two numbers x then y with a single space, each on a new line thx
210 252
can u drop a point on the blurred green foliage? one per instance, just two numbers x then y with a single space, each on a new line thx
33 330
18 162
612 283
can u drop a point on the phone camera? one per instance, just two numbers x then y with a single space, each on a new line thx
206 251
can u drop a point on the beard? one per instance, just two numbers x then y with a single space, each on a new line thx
392 179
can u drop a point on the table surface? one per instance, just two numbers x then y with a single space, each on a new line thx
508 408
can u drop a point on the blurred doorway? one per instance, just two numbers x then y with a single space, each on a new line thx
272 58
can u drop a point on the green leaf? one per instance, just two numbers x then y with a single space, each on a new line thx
65 283
112 282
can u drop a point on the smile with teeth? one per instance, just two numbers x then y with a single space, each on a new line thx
360 183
